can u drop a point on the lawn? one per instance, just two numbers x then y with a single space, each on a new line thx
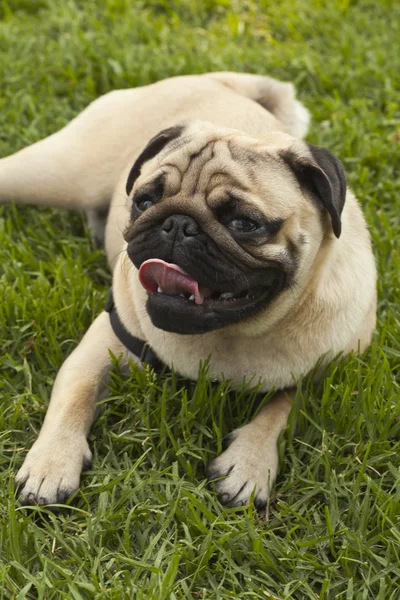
145 523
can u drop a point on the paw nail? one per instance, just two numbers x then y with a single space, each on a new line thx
228 440
224 498
87 464
259 504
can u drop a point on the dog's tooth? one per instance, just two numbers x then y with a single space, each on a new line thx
159 290
227 295
191 297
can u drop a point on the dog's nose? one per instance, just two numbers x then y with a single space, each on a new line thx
180 224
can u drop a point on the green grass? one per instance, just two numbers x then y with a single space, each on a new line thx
145 524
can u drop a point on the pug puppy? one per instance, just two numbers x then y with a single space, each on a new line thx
241 243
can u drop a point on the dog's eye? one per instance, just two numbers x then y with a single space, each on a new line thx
242 225
143 202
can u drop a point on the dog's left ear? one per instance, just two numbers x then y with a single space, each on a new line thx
155 145
322 175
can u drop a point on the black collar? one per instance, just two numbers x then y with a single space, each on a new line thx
138 347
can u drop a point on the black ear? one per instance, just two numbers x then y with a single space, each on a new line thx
155 145
323 175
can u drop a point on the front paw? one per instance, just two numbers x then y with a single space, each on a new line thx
51 471
249 463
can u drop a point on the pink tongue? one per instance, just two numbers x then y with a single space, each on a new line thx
155 273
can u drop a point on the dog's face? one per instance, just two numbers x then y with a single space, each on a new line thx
223 224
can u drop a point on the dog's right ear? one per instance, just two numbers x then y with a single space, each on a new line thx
155 145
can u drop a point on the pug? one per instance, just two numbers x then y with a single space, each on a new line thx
241 244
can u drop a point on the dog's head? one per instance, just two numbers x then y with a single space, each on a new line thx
222 224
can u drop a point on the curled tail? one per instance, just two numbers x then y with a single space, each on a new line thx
278 97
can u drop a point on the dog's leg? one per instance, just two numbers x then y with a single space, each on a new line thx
52 468
97 221
251 460
79 166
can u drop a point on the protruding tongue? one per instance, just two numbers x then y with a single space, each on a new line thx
155 273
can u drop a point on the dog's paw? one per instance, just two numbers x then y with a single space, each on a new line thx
249 463
51 471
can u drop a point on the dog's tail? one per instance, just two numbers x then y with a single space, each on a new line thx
278 97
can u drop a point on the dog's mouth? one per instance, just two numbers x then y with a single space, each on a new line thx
178 302
168 279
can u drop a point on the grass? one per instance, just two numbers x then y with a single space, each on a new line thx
145 524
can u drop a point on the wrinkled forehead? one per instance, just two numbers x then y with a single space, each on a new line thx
211 167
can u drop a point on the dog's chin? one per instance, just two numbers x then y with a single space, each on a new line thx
179 314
